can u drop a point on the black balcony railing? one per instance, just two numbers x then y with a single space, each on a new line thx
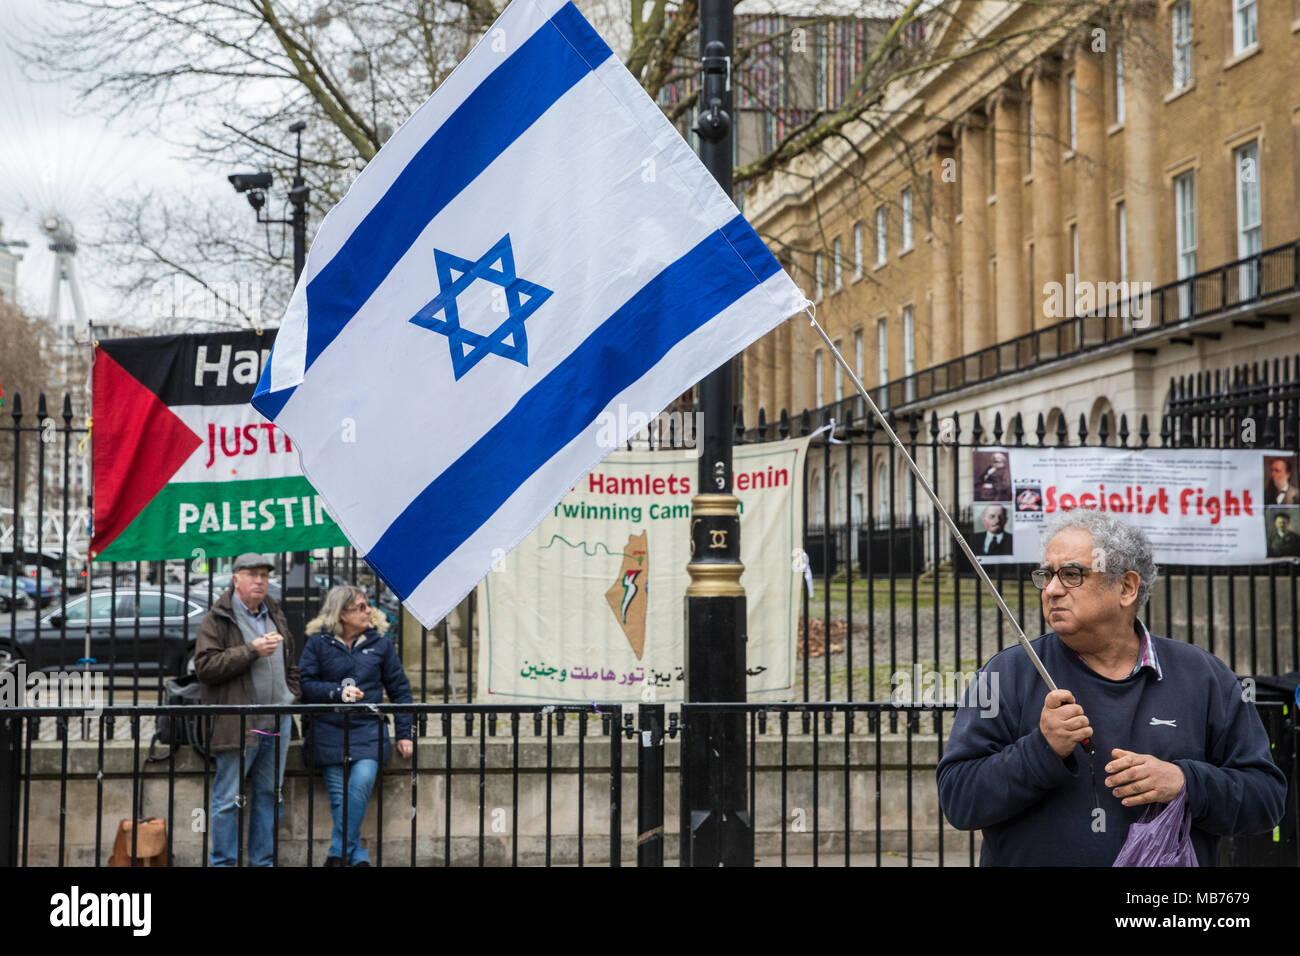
1255 279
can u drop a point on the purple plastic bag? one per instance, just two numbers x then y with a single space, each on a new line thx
1161 837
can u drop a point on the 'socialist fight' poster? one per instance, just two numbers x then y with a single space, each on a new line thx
1198 506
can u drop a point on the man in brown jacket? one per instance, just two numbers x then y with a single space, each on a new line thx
244 654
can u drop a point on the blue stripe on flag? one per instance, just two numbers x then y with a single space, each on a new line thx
674 304
264 400
494 115
586 42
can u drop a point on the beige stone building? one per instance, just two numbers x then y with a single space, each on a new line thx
1141 143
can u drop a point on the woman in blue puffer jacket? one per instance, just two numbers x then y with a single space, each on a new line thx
348 660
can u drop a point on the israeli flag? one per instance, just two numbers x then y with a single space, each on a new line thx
535 247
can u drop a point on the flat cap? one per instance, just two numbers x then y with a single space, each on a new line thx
252 559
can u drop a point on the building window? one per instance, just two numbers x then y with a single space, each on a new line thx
1121 225
959 157
1185 233
881 236
907 218
909 350
913 34
1072 287
855 485
839 372
817 276
993 155
1249 230
1074 115
820 382
1182 25
1029 273
1245 25
1119 83
859 354
1029 136
859 240
882 360
837 277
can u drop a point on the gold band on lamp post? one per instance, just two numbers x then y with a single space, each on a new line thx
715 531
723 506
715 580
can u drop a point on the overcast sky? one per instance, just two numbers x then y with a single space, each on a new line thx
56 159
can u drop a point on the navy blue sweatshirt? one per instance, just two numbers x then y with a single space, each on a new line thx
999 774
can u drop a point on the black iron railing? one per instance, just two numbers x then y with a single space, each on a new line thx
468 756
1254 280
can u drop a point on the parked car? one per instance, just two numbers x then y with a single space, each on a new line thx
122 634
104 581
12 595
50 589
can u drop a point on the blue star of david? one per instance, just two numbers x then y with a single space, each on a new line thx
455 275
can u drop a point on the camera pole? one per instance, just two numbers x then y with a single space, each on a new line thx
298 196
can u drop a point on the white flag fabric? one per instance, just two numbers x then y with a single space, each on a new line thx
534 248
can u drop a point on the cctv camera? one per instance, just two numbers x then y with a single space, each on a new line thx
298 127
246 181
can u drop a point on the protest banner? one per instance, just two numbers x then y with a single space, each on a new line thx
183 466
1198 506
590 606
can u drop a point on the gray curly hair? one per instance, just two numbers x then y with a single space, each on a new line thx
331 611
1123 548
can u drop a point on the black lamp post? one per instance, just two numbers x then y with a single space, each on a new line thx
715 825
255 185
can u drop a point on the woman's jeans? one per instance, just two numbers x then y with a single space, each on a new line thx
361 780
265 779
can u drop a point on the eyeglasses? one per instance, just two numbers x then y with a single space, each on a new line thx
358 607
1071 576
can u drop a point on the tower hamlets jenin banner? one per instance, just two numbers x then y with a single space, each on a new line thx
590 606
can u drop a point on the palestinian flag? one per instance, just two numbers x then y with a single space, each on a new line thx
183 463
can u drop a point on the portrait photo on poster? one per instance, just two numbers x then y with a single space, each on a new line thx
992 470
1280 480
994 536
1283 524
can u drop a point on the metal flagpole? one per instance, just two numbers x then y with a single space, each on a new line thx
952 525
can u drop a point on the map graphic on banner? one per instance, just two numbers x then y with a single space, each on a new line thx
183 464
1198 506
590 606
